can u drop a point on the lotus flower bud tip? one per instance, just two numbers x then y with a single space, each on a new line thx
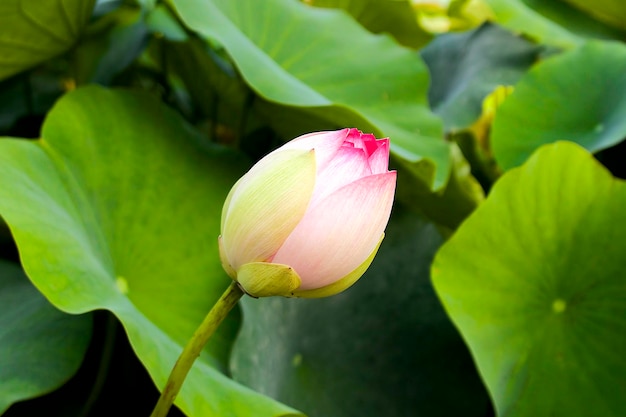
308 218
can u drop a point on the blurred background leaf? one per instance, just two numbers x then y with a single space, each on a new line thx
395 17
25 98
466 67
551 22
612 12
109 46
382 348
40 347
37 30
579 95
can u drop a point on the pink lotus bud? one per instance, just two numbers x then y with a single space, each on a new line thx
307 219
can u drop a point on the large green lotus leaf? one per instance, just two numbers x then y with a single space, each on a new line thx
550 22
396 17
40 347
320 59
467 66
612 12
579 95
35 30
534 279
117 208
384 347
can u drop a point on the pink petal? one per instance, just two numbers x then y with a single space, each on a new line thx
365 141
325 144
356 142
348 165
356 134
372 145
379 159
340 232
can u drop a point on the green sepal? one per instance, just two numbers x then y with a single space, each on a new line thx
263 279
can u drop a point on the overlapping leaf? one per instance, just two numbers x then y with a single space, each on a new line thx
324 62
612 12
117 208
534 280
396 17
467 66
579 96
109 46
36 30
550 22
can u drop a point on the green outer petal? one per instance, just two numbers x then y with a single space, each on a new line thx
344 283
263 279
229 197
267 204
225 263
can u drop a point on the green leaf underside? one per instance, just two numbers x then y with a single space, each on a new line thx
40 347
332 76
550 22
384 347
467 66
35 30
613 12
116 180
396 17
534 280
110 46
578 96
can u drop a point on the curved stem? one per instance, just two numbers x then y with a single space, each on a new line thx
186 359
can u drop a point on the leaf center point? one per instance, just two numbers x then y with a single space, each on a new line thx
559 306
122 285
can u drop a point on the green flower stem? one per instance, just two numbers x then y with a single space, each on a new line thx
186 359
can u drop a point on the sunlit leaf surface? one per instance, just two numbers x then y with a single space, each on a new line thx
534 280
117 207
